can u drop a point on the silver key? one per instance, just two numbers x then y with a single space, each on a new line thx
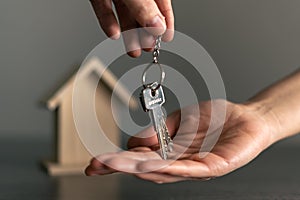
152 101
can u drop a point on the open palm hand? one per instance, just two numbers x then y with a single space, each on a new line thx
204 146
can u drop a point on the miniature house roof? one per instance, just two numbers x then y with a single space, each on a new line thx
94 65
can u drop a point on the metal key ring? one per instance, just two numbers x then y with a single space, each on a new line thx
162 77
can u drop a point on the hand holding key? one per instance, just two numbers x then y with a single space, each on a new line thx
188 130
244 136
134 14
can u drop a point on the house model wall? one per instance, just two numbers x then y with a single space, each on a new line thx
71 155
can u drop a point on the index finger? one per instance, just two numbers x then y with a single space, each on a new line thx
106 17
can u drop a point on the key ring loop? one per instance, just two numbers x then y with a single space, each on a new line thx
162 75
155 55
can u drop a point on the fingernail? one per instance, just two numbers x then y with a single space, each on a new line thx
157 22
115 37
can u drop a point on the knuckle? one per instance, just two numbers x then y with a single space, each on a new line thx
141 11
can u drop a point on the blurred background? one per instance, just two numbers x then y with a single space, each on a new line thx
254 43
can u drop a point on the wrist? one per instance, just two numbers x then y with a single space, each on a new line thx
266 112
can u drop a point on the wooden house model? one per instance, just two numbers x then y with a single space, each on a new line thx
71 155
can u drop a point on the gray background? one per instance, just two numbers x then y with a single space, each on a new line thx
254 43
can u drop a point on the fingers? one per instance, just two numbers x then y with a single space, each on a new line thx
166 178
147 14
161 178
150 166
156 16
146 40
165 7
128 22
132 43
193 167
148 136
106 17
127 161
98 168
181 168
154 24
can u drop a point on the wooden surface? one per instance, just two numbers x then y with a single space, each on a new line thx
273 175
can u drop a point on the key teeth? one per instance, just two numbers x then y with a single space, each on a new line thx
170 146
168 140
165 157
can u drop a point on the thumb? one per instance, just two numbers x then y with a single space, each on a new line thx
148 15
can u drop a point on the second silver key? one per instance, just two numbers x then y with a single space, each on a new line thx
152 100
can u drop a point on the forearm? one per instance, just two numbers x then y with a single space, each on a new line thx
280 105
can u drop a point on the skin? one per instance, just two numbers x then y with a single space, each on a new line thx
249 128
155 16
